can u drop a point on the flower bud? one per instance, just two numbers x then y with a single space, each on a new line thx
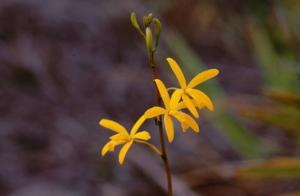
157 26
134 21
147 20
149 41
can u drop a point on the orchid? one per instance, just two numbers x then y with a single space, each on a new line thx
185 97
171 110
122 137
188 93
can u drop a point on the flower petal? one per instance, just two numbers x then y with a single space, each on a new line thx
178 116
112 125
190 105
197 103
190 122
176 96
202 77
124 151
109 146
202 97
154 112
163 92
185 120
177 71
143 135
120 137
137 125
169 127
180 106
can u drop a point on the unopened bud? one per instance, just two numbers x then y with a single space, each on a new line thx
149 41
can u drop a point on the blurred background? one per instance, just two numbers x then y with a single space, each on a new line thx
65 64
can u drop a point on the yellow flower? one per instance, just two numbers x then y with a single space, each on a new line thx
171 110
122 137
187 91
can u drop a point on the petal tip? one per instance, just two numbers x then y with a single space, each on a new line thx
101 122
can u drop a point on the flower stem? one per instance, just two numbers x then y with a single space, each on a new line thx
150 145
172 88
163 155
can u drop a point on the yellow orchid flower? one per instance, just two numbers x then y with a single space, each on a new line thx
171 110
187 91
122 137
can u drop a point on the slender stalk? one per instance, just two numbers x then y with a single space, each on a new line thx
150 145
163 155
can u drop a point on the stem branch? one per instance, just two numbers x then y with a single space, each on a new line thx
150 145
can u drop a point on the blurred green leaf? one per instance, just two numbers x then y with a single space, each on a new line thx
286 97
278 68
286 117
278 168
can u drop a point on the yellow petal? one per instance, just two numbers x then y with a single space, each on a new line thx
119 137
185 120
190 105
202 77
112 125
190 122
177 115
169 127
154 112
143 135
109 146
176 96
202 97
198 104
181 105
137 125
177 71
124 151
163 92
184 127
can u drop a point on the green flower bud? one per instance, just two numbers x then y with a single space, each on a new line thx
157 30
134 21
157 26
149 41
147 20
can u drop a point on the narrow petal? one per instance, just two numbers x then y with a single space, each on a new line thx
202 97
197 103
137 125
120 137
169 127
154 112
185 120
177 71
190 122
190 105
184 127
163 92
178 116
180 106
143 135
109 146
202 77
112 125
124 151
176 96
